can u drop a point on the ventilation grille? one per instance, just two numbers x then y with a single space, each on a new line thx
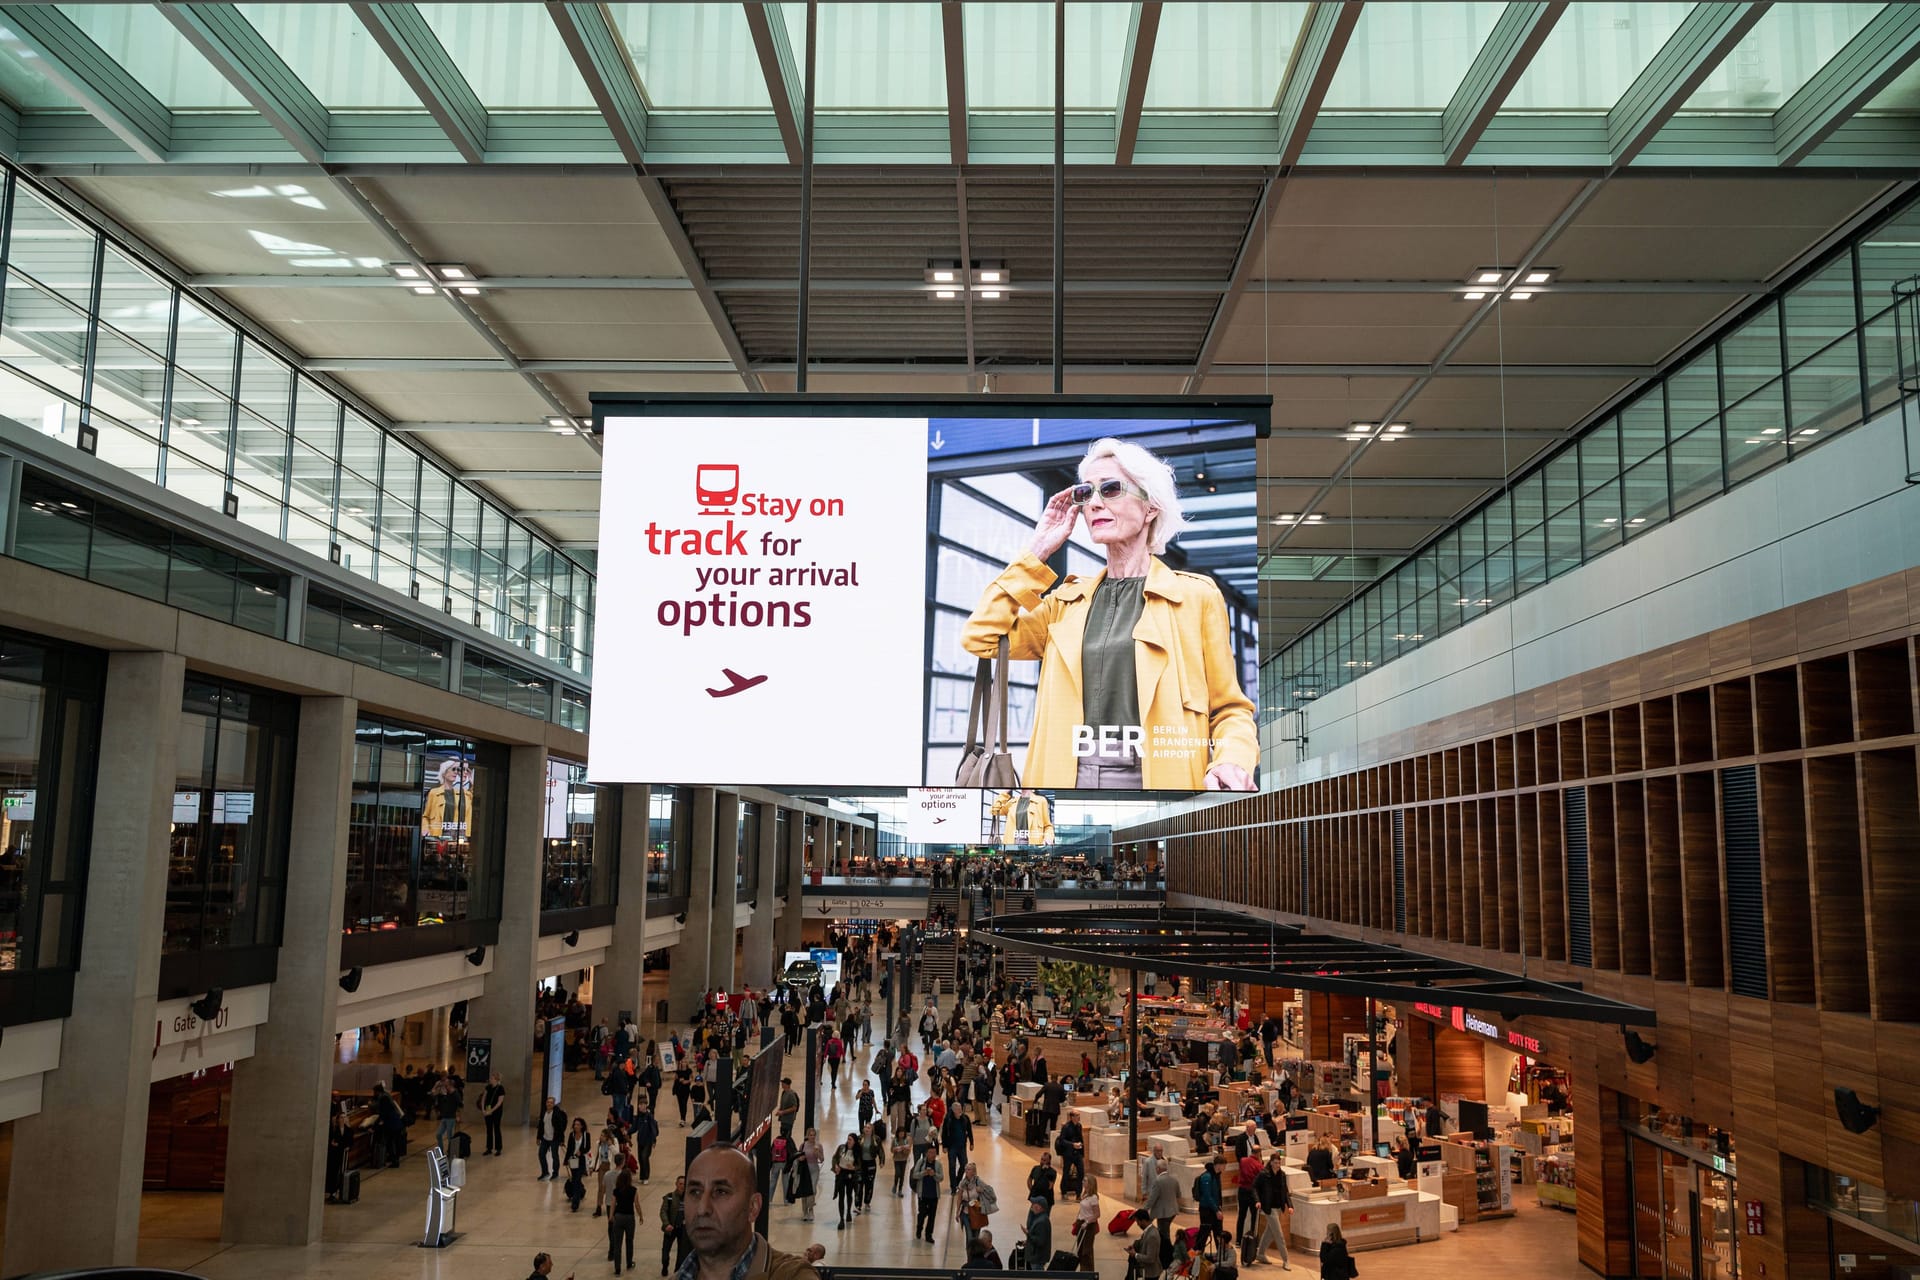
1579 890
1400 870
1746 892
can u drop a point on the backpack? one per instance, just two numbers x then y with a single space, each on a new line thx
1196 1187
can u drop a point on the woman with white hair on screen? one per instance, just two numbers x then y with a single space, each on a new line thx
1139 687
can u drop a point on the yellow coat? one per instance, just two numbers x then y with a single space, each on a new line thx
1194 712
1039 817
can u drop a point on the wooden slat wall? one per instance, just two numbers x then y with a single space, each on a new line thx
1824 698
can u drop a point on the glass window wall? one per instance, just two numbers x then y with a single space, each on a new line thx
1814 359
90 335
668 817
232 817
427 828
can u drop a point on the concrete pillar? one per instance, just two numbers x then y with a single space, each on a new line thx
722 938
503 1013
74 1198
688 980
828 858
277 1135
619 979
759 940
788 930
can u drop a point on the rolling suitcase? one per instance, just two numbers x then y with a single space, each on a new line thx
1247 1242
350 1187
1036 1129
462 1145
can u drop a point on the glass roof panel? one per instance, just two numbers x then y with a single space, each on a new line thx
1901 97
1222 57
869 56
1780 54
693 56
1593 54
21 81
331 52
511 55
140 38
1409 57
1009 54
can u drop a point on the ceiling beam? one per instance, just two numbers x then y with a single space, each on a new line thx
1868 63
1143 27
1178 288
106 90
908 368
1316 56
1390 482
768 27
489 477
506 363
417 54
1705 37
953 46
1516 37
601 57
237 51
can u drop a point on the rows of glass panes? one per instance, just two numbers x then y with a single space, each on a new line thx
1812 360
182 397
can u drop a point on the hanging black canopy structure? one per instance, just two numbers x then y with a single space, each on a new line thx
1218 946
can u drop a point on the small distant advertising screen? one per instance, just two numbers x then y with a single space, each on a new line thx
797 591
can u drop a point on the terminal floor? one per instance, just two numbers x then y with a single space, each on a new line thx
506 1215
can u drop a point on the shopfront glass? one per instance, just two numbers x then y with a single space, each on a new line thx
668 815
232 817
49 743
581 840
1683 1178
746 859
427 828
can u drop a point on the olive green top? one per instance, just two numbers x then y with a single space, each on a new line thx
1109 689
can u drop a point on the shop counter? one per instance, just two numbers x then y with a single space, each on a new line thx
1402 1216
1091 1118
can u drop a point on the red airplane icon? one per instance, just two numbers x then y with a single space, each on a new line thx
740 683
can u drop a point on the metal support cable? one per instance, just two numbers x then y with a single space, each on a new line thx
806 201
1059 195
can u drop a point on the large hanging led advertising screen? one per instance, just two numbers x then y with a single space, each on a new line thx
805 591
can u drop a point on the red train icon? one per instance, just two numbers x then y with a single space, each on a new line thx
717 486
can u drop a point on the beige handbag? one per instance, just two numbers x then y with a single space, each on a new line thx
980 764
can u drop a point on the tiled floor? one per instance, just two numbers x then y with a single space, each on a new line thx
506 1215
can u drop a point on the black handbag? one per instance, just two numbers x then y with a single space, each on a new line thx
980 764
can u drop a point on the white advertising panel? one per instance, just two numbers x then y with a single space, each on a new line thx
759 601
943 815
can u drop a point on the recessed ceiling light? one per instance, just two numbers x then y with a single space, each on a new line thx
1487 277
1770 431
468 291
1610 520
946 294
1538 277
990 277
943 277
990 293
405 271
1808 431
1395 428
1638 520
425 290
1473 295
1315 518
559 422
452 271
1520 295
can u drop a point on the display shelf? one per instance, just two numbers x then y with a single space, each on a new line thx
1626 738
1573 764
1776 702
1783 859
1599 734
1666 885
1693 723
1554 1185
1656 733
1891 803
1701 874
1826 701
1733 719
1553 878
1546 750
1603 877
1839 899
1630 844
1883 691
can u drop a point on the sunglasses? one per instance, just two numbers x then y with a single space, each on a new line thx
1082 493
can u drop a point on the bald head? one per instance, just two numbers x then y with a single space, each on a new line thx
721 1204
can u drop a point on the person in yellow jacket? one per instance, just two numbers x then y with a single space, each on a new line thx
1138 684
448 812
1029 821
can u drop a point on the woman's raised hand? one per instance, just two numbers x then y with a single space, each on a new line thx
1055 526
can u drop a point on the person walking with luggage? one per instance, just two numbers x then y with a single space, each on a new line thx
973 1201
1207 1194
1038 1231
578 1155
927 1176
1247 1196
1086 1225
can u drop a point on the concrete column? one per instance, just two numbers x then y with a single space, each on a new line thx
504 1011
722 938
688 980
788 930
759 940
618 980
74 1198
828 856
277 1137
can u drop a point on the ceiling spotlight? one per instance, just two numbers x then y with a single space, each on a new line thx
208 1006
477 956
1855 1116
1639 1050
1199 475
